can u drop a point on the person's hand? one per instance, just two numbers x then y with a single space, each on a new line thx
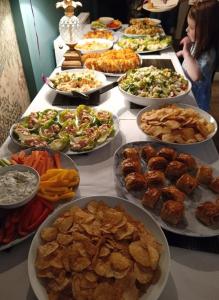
187 44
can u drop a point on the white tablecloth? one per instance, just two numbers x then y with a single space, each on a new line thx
194 275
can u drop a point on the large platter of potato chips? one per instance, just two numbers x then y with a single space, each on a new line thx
99 247
180 124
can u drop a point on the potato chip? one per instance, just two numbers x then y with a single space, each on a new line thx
199 137
56 261
143 275
187 133
48 234
154 256
119 262
42 262
79 248
103 268
92 228
62 280
80 263
125 232
46 273
169 137
172 124
202 128
64 239
53 295
104 251
64 224
66 262
139 253
105 291
48 248
81 216
92 207
87 284
128 286
122 223
91 276
54 286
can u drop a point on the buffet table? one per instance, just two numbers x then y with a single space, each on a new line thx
193 274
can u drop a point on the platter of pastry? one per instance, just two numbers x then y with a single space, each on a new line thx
112 62
180 191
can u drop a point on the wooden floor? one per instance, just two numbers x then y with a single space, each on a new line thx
215 108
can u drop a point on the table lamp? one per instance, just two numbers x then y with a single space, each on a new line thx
69 28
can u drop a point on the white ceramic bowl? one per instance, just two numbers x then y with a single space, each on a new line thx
98 76
154 291
106 20
107 45
145 101
201 112
24 200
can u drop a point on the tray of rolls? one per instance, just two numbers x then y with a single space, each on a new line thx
180 191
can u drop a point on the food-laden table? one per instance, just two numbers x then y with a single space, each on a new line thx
193 274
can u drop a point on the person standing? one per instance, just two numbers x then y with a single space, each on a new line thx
200 49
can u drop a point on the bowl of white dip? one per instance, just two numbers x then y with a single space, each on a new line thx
18 185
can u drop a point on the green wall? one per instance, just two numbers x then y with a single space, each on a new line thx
44 26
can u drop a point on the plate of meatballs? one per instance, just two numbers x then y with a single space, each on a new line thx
180 191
